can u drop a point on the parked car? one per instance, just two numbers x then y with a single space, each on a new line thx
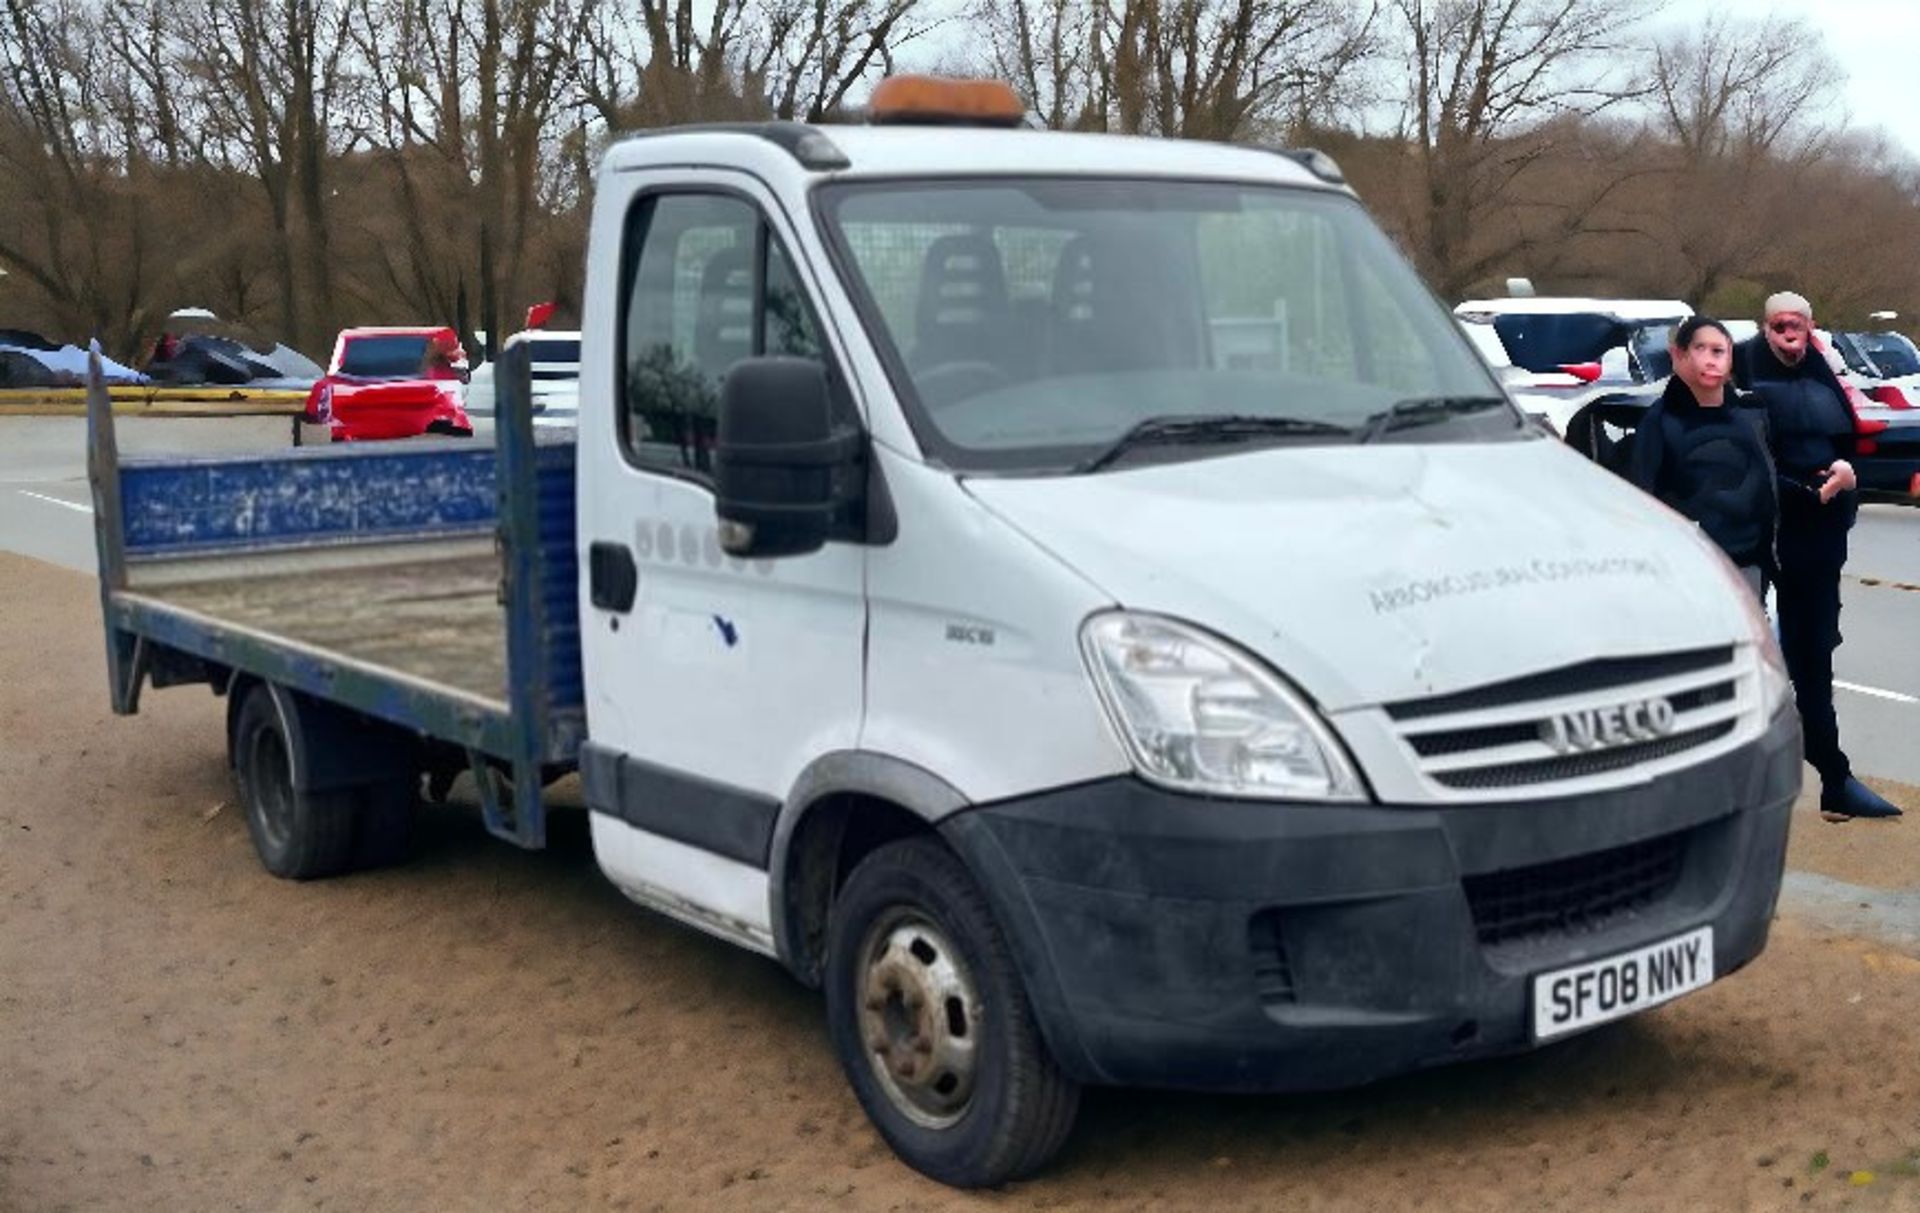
1578 350
1884 369
1887 365
1549 397
195 347
392 383
555 358
28 360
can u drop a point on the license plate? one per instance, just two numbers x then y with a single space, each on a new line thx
1567 1000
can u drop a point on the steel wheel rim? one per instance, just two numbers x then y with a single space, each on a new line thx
919 1018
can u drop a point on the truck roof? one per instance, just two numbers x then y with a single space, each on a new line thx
891 151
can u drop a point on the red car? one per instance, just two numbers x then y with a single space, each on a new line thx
392 383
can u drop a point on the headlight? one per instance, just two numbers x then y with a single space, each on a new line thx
1198 715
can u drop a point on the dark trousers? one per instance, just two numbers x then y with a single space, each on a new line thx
1808 600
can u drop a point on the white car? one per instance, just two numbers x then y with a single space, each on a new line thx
1886 367
1570 351
556 379
1552 397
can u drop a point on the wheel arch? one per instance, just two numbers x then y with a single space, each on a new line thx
842 806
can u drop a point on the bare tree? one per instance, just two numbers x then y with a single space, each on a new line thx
808 55
652 65
75 224
1733 88
1198 69
469 91
146 95
271 75
1482 72
1742 108
1056 52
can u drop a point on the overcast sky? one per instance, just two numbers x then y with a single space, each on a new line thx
1877 42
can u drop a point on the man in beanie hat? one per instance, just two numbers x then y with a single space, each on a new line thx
1811 433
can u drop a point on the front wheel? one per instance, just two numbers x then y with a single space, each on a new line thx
930 1020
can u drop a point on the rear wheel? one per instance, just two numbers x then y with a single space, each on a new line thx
298 835
930 1020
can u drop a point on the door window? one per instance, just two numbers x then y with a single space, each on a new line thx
707 285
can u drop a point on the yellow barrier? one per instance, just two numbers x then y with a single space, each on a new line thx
155 402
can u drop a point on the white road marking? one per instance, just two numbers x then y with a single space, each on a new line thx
1875 692
72 505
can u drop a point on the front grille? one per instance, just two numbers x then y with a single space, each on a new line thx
1579 894
1601 675
1580 766
1462 741
1581 722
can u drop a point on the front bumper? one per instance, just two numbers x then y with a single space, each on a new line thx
1177 941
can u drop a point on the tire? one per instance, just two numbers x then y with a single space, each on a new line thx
297 835
970 1096
383 829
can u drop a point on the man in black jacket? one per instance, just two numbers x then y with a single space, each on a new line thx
1811 433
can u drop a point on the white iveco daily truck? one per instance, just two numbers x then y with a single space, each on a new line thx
1078 600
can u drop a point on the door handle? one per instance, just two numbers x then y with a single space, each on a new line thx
613 580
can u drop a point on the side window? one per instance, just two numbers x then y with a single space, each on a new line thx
706 286
788 326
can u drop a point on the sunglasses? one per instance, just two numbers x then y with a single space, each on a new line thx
1787 326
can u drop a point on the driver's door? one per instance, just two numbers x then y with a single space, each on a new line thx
722 677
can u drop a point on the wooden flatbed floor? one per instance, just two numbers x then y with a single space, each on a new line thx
437 619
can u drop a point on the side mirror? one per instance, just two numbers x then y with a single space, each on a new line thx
782 468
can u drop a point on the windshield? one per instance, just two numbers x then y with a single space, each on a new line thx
1031 323
386 357
1891 354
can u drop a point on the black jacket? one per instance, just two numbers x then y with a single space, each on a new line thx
1713 466
1810 424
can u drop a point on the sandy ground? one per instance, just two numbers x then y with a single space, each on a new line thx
487 1029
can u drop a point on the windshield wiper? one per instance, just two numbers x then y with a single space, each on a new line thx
1207 428
1424 410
